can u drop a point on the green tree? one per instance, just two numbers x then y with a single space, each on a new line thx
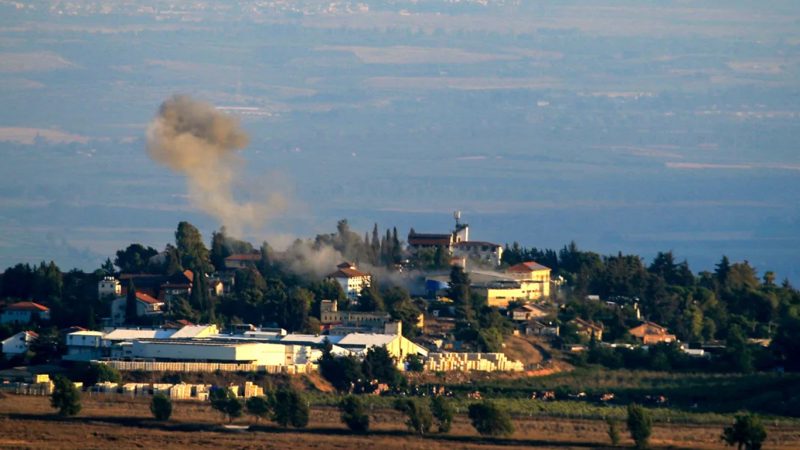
459 292
379 365
613 431
135 258
353 414
223 400
415 363
343 372
738 354
99 373
290 408
199 298
193 252
370 298
722 270
295 315
786 343
418 413
747 433
107 268
639 425
161 407
259 407
219 251
130 303
65 397
172 261
490 420
443 413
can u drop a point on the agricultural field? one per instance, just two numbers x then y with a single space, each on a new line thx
111 422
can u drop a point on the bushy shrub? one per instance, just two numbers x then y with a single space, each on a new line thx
418 413
490 420
290 408
353 414
225 402
639 425
65 397
443 412
259 407
161 407
746 432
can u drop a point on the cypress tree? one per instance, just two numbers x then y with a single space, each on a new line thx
130 303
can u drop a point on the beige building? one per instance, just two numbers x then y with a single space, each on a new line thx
527 312
650 333
330 315
588 329
533 277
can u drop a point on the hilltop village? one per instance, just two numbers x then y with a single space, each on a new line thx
434 303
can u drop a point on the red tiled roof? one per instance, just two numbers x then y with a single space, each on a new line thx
28 306
530 266
32 334
429 239
146 298
189 275
348 273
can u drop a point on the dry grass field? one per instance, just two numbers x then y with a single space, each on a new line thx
29 422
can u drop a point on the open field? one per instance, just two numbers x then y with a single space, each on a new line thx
28 422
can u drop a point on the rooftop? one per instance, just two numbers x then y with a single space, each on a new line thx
348 273
529 266
366 340
126 334
147 298
190 331
429 239
27 306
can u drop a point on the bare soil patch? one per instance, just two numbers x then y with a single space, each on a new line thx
29 422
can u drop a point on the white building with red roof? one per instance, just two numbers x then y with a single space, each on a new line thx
146 305
19 343
352 280
25 312
533 277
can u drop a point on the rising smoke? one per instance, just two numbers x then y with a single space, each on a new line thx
202 143
196 140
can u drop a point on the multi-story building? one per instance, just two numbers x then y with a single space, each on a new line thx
351 279
534 279
25 312
109 286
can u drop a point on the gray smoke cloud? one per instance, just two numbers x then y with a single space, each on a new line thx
196 140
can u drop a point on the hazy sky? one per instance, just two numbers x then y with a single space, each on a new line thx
623 125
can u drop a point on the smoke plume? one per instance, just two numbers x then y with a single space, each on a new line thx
196 140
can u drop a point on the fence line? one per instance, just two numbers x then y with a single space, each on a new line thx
199 367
